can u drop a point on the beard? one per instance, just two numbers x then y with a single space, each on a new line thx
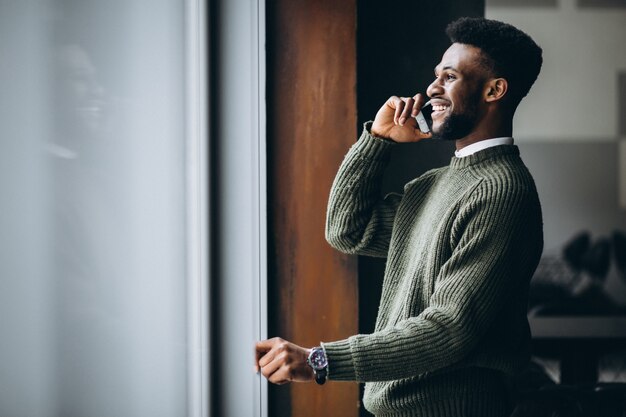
455 126
458 125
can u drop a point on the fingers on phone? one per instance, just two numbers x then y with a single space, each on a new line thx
418 102
408 109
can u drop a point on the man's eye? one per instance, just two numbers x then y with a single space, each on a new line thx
450 77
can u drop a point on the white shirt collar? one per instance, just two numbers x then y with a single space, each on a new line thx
483 144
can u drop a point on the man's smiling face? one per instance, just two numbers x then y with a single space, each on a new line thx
456 92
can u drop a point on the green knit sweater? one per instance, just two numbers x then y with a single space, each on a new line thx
461 243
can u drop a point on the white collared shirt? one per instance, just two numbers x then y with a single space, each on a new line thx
483 144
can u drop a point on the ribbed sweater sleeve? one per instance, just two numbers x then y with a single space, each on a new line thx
359 220
489 242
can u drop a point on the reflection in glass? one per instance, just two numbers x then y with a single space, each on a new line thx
92 249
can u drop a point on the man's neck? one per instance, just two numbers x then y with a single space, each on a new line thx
489 129
482 145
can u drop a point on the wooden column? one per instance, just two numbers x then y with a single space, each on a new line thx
311 56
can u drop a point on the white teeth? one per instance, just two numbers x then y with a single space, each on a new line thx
439 108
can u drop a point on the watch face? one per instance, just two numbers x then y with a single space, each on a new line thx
318 359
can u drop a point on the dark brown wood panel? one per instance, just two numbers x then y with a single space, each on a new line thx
311 55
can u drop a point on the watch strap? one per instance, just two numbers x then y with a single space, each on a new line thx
320 376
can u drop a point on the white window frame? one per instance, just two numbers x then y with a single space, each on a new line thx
198 251
239 120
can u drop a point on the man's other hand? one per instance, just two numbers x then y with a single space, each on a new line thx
281 361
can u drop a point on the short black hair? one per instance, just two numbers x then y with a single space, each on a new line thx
510 53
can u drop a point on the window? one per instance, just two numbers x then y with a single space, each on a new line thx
127 283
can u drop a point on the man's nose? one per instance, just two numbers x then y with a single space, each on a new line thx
434 89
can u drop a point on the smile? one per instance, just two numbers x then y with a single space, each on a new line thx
439 109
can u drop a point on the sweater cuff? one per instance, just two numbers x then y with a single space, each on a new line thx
373 146
340 363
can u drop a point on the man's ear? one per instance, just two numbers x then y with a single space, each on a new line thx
496 89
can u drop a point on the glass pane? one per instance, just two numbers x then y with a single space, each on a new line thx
92 220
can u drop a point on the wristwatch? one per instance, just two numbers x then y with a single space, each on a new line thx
319 362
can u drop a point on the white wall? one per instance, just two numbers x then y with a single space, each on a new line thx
576 95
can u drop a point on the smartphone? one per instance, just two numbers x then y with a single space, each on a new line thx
424 120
